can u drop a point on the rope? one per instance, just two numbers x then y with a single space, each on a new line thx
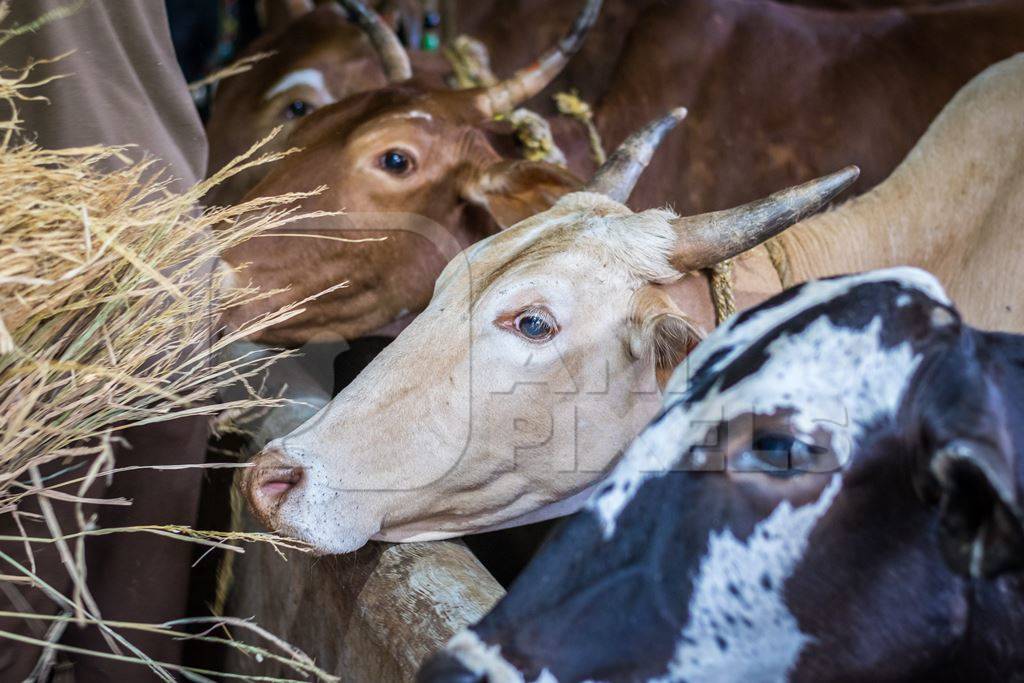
720 276
471 68
722 295
781 262
534 133
471 64
571 104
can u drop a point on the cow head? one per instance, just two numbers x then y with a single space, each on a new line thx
832 491
418 179
532 367
316 57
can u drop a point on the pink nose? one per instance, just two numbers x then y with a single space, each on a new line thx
267 484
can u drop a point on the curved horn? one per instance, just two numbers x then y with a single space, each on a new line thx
389 48
619 174
711 238
505 96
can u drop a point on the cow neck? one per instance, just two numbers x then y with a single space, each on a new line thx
843 240
753 279
888 227
933 211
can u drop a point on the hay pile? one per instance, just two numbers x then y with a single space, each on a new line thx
107 301
108 319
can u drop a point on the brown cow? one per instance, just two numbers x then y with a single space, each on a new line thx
758 123
411 166
316 56
777 93
771 86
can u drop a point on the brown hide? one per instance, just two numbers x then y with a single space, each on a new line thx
322 39
777 93
536 24
239 114
458 191
855 5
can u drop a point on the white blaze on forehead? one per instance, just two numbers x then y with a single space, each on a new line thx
312 78
832 378
739 627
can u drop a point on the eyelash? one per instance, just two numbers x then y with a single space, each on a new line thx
509 323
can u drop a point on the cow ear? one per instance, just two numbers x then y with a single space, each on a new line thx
967 465
660 331
515 190
276 14
981 520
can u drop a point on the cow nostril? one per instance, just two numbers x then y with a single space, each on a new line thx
445 667
273 476
275 482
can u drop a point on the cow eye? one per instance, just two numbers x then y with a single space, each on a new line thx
297 109
536 325
780 455
395 162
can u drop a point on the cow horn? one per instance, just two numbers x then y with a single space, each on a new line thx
618 175
711 238
389 48
505 96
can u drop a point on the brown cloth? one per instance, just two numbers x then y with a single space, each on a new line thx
125 87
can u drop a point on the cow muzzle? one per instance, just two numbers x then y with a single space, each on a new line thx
268 483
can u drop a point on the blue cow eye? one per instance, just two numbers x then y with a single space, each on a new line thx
780 455
395 162
535 326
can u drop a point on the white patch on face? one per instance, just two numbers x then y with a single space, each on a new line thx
486 660
312 78
833 379
740 628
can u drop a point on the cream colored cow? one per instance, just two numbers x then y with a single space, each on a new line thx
536 361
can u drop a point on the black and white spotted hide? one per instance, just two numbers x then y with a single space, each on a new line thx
831 493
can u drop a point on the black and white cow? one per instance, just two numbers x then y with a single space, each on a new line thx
831 493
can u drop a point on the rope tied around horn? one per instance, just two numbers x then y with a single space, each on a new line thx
471 68
534 134
471 64
572 105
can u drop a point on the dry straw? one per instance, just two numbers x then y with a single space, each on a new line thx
108 319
